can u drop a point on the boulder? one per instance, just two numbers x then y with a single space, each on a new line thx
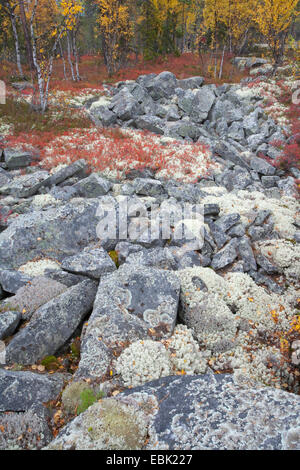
17 158
33 295
8 323
150 123
93 186
54 233
186 413
52 325
19 391
12 281
131 304
25 186
91 262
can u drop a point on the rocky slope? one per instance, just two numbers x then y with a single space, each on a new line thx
206 320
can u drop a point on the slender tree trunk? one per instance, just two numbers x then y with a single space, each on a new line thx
70 56
63 59
222 63
75 50
26 34
11 11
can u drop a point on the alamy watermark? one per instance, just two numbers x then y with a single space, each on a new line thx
127 220
2 92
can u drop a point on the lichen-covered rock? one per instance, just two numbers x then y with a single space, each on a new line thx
108 425
52 325
43 233
11 281
17 158
188 413
90 262
25 431
33 295
26 185
131 304
19 391
8 323
93 186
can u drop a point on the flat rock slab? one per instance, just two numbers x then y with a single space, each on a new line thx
15 158
52 325
133 303
208 412
25 186
35 294
8 323
12 281
20 390
91 262
54 233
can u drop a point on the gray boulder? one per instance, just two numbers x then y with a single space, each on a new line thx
17 158
150 123
19 391
190 83
75 169
12 281
25 186
204 99
125 106
162 85
33 295
104 115
226 256
131 304
187 413
262 167
52 325
93 186
54 233
91 262
148 187
8 323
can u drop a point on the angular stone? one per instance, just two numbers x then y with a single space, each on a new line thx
20 390
12 281
63 277
161 258
105 116
125 106
266 265
91 262
52 325
148 187
43 233
33 295
150 123
17 158
218 234
226 405
25 186
5 177
227 221
269 181
131 304
262 167
93 186
8 323
247 255
225 257
78 167
190 83
211 209
182 129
